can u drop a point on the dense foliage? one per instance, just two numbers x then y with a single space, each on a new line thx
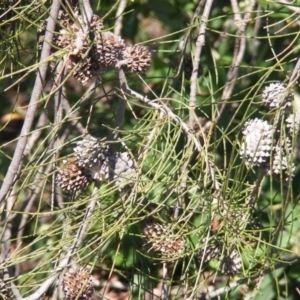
157 157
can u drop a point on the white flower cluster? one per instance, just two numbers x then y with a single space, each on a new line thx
276 95
267 147
258 142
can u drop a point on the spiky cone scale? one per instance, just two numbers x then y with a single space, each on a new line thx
256 148
71 177
281 165
84 69
109 49
276 96
231 264
211 250
121 169
63 18
5 291
96 24
293 122
77 284
63 21
138 59
92 155
158 239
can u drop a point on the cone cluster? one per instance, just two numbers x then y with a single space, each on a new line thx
159 239
93 161
92 52
77 284
265 145
214 249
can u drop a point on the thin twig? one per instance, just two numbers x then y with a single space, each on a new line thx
199 45
164 287
296 71
7 232
31 198
166 111
58 112
72 250
239 52
32 140
33 104
183 43
87 14
119 17
235 284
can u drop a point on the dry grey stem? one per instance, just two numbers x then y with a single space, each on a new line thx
199 45
239 52
119 17
33 105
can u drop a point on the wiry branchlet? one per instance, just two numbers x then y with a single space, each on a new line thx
138 59
293 122
5 290
71 177
109 49
231 264
276 95
258 142
77 284
159 239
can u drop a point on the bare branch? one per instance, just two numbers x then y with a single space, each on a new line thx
164 287
33 104
119 17
199 44
239 52
87 12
